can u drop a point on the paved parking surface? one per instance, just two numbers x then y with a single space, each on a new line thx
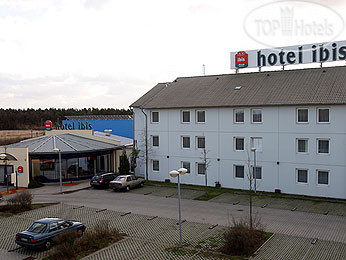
147 238
313 206
283 247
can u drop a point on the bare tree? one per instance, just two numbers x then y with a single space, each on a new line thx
206 163
142 150
250 176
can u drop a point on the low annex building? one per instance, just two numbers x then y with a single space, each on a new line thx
83 154
295 119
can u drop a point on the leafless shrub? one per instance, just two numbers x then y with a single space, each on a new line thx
242 239
21 201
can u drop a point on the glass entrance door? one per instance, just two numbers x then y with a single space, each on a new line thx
3 171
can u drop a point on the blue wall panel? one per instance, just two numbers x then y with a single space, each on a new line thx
119 127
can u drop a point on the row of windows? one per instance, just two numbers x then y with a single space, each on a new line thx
256 142
302 144
256 116
185 142
200 167
301 174
239 172
185 116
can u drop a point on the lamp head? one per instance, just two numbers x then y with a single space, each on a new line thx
253 149
174 173
3 156
182 171
56 150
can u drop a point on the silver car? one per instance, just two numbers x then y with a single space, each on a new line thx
126 182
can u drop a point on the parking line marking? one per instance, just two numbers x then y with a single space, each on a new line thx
11 250
152 218
213 226
78 207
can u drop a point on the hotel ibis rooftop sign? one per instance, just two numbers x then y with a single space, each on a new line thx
299 54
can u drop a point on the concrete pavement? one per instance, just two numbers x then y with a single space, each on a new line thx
302 224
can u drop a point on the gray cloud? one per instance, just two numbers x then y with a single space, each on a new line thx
64 91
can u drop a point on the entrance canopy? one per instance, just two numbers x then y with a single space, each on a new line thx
66 143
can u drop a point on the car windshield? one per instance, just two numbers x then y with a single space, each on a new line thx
37 227
120 178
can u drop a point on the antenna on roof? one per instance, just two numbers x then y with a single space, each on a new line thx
203 69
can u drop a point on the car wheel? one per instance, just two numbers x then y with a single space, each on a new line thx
48 244
141 184
127 188
80 232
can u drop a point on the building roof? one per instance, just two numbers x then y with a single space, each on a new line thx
123 140
66 143
290 87
100 117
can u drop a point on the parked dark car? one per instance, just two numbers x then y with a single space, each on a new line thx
102 180
42 232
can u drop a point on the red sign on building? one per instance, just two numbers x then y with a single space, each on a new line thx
48 125
241 59
20 169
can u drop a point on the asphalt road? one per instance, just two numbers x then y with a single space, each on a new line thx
310 225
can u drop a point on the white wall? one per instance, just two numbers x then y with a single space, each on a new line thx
279 158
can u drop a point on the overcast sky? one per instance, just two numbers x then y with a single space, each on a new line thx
108 53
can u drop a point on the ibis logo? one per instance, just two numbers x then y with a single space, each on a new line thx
241 60
48 125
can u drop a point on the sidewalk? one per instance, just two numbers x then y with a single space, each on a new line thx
66 188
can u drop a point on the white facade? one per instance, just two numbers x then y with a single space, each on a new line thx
321 161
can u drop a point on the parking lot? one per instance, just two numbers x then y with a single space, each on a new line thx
149 216
147 237
303 205
151 237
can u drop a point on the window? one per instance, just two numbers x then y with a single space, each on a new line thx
239 171
257 172
185 116
155 141
185 142
323 146
256 115
323 115
186 165
201 168
156 165
256 142
322 177
302 145
200 116
302 176
200 142
239 143
302 115
154 117
238 116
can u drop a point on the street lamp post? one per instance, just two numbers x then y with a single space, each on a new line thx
174 174
57 150
254 167
4 157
